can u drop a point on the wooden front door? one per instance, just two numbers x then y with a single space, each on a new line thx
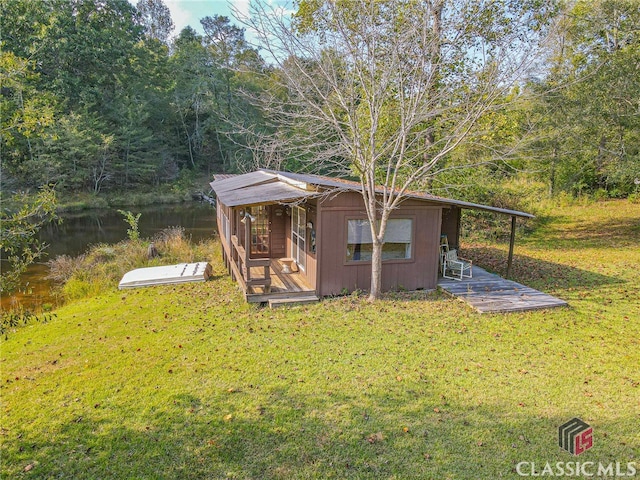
278 234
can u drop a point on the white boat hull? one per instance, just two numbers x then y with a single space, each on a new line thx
166 275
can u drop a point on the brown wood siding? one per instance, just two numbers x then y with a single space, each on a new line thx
337 276
451 225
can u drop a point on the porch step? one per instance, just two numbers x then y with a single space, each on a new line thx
299 300
264 297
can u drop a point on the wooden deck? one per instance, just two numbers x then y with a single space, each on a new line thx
489 293
283 286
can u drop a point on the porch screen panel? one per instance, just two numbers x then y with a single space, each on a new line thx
226 230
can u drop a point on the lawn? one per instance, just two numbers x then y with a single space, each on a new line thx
190 382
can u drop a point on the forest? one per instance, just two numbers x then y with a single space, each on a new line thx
105 99
102 95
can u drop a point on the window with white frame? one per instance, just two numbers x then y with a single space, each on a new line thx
397 240
299 236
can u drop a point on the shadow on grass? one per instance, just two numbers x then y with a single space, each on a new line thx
391 433
596 232
215 277
535 272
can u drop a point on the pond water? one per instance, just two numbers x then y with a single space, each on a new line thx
78 231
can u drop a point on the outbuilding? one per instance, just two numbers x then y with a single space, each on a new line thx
292 236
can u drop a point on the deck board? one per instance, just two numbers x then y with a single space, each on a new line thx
283 285
487 292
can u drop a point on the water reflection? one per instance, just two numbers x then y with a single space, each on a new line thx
78 231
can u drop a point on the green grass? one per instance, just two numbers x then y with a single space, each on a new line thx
190 382
78 202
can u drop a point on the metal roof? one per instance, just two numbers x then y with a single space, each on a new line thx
319 180
231 182
270 186
478 206
351 185
260 190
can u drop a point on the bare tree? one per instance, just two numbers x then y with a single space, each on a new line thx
387 89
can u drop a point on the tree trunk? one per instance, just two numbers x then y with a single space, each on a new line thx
601 177
376 271
552 178
436 54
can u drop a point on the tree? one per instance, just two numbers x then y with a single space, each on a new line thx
68 153
25 111
211 72
386 90
82 55
192 78
586 118
138 157
18 239
155 16
234 62
93 98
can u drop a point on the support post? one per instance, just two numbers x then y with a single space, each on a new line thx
512 242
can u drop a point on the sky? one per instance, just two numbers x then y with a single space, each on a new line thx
189 12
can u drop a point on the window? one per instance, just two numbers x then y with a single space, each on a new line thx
299 236
397 240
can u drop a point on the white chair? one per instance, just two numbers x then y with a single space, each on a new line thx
444 248
456 268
